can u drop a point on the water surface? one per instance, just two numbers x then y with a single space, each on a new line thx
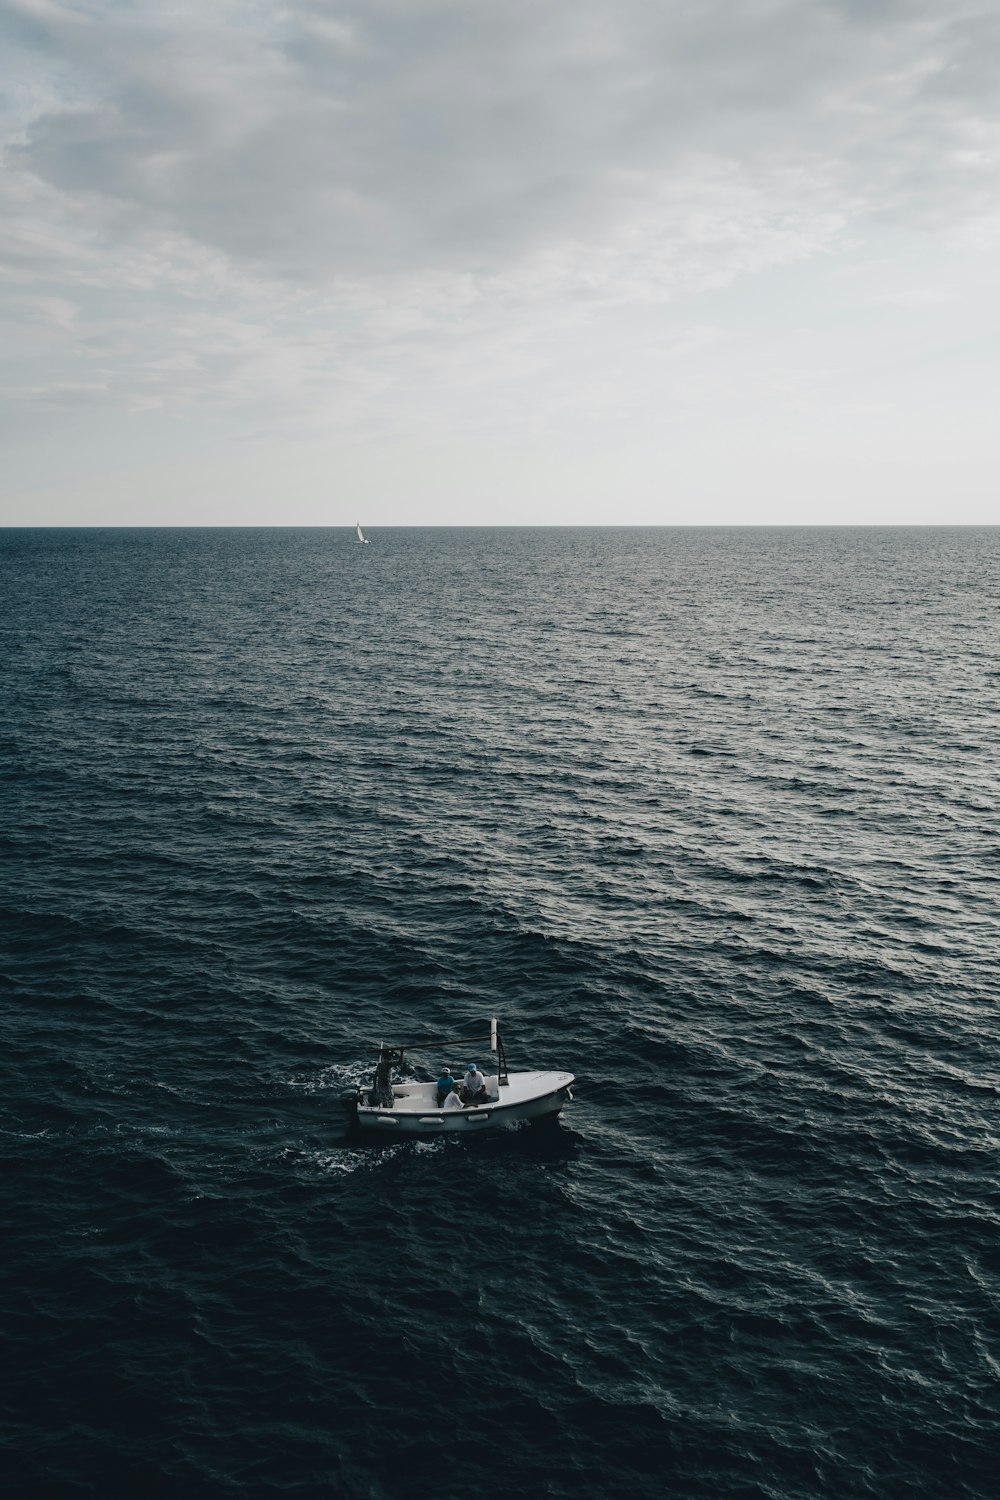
708 817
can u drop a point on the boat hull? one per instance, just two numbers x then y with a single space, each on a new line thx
528 1097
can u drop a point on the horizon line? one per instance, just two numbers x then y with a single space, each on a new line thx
509 526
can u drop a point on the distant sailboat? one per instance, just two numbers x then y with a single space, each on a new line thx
361 535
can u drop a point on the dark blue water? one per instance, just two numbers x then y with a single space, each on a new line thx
708 817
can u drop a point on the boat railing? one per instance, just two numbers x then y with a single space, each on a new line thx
491 1039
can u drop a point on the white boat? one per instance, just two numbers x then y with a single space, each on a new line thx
361 536
414 1110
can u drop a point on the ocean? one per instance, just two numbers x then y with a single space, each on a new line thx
707 817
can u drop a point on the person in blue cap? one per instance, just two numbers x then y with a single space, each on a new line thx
446 1084
473 1090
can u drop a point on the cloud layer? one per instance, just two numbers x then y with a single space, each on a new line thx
337 213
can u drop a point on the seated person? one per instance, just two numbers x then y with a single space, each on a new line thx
445 1085
453 1101
473 1089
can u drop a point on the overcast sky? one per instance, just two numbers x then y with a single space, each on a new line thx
540 261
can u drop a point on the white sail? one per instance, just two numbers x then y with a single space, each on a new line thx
361 535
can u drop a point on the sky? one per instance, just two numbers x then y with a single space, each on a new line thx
421 262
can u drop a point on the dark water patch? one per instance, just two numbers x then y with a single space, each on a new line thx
706 816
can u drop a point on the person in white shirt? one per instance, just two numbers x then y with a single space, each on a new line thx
473 1090
453 1101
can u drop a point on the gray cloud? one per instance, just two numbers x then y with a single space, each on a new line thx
569 224
319 140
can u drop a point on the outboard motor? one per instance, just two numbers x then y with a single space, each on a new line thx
349 1099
